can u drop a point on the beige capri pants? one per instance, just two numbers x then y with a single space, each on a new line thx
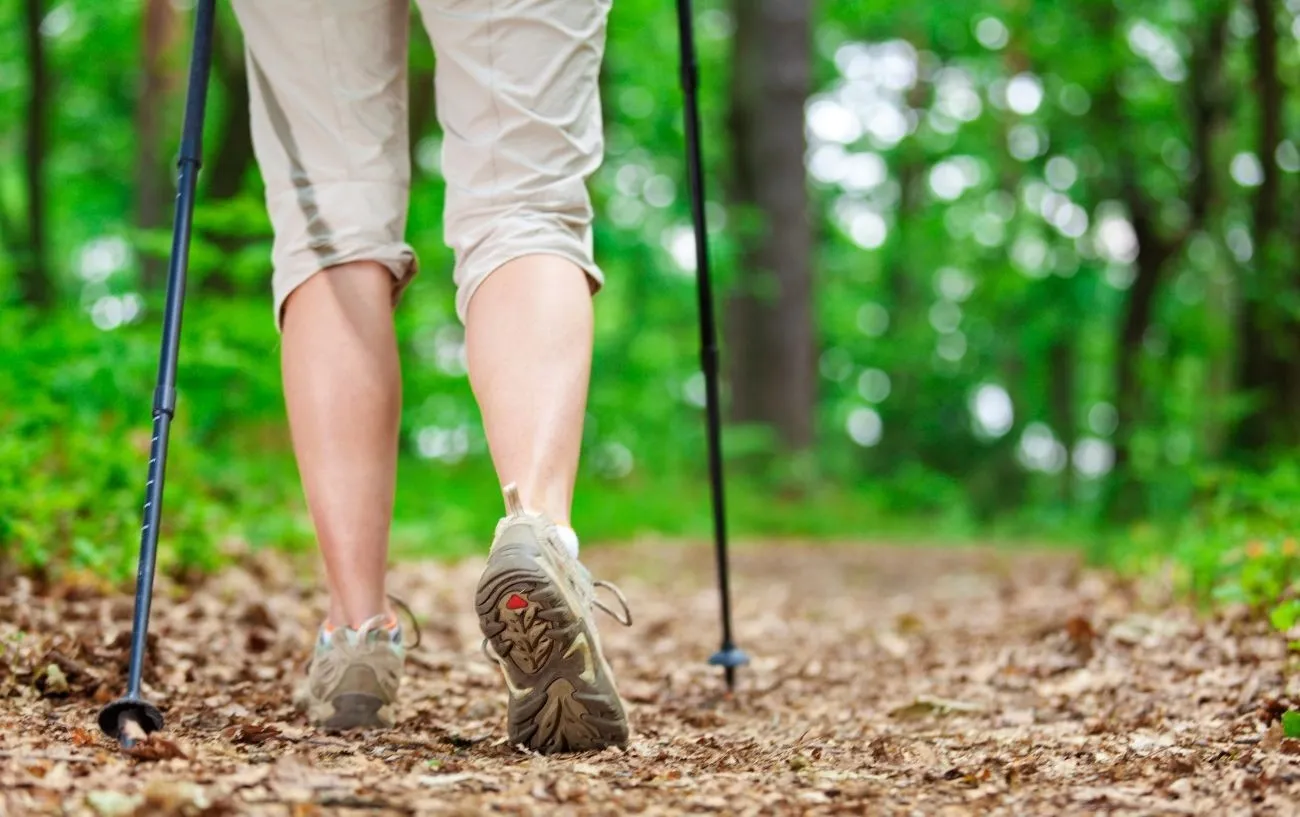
518 101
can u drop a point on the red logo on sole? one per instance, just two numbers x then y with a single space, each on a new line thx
516 602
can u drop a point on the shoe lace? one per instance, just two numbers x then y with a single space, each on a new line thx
415 625
626 618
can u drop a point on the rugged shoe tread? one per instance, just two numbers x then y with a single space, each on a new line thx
561 696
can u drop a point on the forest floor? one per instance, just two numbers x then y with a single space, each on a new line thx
884 681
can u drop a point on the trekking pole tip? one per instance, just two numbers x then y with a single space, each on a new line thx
114 719
730 657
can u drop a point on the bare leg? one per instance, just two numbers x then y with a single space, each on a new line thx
342 386
529 338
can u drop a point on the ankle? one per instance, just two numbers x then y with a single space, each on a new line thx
389 617
548 502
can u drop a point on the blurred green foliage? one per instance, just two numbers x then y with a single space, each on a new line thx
1291 724
980 174
76 443
1238 546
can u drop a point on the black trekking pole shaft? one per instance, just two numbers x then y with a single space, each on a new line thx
164 398
729 657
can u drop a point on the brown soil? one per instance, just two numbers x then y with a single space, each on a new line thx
884 681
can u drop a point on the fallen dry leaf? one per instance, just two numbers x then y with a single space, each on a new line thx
83 737
112 803
1082 635
248 734
438 781
1272 738
882 681
926 705
177 798
156 747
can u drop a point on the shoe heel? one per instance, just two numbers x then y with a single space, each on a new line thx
355 710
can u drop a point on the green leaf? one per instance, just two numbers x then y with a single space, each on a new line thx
1286 614
1291 723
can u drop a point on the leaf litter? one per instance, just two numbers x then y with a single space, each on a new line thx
883 681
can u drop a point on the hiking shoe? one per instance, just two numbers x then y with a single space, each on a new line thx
535 606
354 675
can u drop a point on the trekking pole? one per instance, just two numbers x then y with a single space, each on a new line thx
729 656
132 708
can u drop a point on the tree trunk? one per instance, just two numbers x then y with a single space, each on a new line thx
156 80
34 281
234 145
907 308
1155 250
1267 337
230 153
769 321
1061 357
1129 392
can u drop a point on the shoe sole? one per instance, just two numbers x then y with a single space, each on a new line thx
562 695
351 710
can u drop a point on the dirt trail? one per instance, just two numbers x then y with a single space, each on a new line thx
884 681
